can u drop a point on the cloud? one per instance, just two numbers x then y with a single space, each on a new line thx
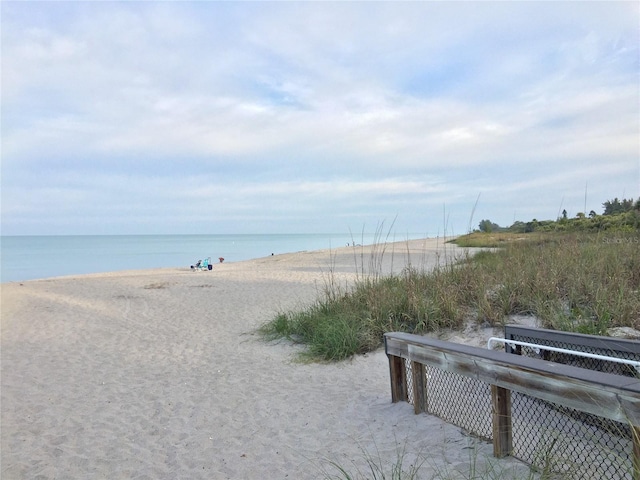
358 109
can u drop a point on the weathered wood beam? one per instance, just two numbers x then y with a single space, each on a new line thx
398 374
502 432
419 379
635 433
606 395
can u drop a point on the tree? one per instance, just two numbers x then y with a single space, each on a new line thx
612 207
487 226
518 227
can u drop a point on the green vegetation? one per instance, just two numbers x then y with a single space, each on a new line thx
501 239
571 280
376 469
410 466
619 215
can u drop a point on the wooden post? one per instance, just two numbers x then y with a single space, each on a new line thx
502 434
635 458
398 379
419 377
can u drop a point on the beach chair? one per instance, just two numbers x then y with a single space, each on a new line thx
202 264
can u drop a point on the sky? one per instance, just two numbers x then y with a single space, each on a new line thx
314 117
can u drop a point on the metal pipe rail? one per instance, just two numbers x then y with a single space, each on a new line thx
635 364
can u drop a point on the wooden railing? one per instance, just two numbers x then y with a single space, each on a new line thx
601 394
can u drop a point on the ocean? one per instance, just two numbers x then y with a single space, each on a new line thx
37 257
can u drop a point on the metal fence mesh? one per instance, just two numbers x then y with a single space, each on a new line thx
567 443
577 361
460 400
409 371
560 442
463 401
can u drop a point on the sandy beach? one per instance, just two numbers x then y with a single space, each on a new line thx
159 374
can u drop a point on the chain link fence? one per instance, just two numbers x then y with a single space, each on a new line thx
568 444
573 443
558 441
605 346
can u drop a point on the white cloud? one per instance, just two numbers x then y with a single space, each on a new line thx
363 109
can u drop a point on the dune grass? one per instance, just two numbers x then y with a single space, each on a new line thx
577 282
502 239
408 465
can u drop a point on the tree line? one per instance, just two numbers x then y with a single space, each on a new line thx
623 215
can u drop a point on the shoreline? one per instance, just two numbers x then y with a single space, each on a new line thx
41 257
349 252
161 374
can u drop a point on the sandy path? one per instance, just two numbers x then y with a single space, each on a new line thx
159 375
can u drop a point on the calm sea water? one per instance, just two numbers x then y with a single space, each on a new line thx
33 257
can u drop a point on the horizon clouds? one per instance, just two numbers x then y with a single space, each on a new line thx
216 117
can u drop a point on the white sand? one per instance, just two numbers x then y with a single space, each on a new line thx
160 375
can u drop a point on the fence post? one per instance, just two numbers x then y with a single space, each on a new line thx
418 372
502 434
398 379
635 456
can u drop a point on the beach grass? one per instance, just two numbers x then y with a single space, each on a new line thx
578 282
502 239
410 465
405 467
584 283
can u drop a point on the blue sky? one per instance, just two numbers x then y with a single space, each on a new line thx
304 117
